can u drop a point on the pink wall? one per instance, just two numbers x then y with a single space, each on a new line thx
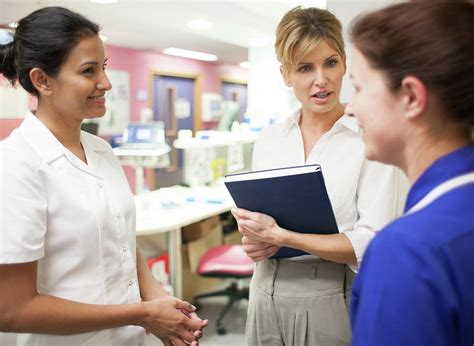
140 63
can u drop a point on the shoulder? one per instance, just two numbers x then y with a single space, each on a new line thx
17 156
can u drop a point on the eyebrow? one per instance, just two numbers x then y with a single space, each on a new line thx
93 62
325 59
332 56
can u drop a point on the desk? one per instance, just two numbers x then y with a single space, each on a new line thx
167 210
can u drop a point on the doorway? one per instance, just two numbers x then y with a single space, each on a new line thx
176 102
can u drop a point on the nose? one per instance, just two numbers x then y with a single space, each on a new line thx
104 82
320 78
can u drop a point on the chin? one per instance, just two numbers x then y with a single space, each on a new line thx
95 115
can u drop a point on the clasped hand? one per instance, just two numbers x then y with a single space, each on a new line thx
261 234
173 321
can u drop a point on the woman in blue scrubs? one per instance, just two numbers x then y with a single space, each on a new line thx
413 72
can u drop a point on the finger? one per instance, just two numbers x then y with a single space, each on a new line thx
177 342
195 317
186 335
238 212
260 256
249 241
257 247
182 305
198 334
190 324
265 252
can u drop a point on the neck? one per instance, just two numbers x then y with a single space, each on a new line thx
320 122
67 131
427 149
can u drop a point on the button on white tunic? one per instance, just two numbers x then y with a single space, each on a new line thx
75 219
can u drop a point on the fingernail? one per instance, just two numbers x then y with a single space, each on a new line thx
193 307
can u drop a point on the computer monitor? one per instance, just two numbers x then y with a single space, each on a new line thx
141 135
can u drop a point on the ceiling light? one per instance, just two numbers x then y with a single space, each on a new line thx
103 1
13 25
103 38
199 24
190 54
244 64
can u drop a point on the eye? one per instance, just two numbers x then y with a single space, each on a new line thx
89 70
104 66
332 62
305 68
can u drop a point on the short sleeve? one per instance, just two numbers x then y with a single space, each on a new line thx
379 196
23 207
400 296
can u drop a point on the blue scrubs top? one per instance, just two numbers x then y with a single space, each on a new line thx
416 282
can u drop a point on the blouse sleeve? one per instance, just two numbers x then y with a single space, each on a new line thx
23 207
380 194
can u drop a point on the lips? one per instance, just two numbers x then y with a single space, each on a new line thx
322 94
100 99
321 97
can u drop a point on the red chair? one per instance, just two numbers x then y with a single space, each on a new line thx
226 261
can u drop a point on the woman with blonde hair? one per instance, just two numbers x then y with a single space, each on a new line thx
304 300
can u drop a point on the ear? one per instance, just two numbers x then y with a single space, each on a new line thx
414 96
286 76
41 81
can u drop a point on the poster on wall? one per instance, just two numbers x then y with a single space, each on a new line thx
117 116
13 101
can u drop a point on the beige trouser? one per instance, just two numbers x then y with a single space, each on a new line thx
299 303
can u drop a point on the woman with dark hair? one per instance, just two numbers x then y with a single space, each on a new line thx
413 72
70 270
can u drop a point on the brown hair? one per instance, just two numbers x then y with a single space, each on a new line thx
432 41
301 29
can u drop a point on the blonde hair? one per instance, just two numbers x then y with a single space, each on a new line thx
301 29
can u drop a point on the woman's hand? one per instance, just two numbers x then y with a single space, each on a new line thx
258 226
257 250
173 321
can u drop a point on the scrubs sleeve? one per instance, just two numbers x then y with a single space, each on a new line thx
23 207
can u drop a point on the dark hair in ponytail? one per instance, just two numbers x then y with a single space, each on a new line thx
7 59
43 39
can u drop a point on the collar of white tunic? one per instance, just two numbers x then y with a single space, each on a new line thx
345 120
47 145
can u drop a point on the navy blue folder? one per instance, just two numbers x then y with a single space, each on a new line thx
298 202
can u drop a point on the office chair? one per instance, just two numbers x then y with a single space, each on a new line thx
226 261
